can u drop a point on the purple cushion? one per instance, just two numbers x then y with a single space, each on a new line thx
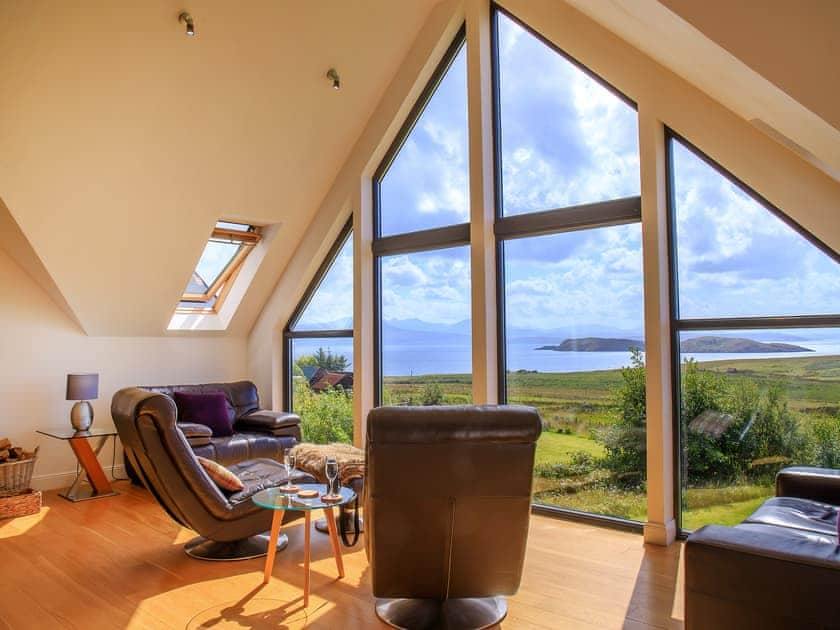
207 409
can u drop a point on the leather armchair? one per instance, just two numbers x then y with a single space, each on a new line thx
448 500
230 527
779 568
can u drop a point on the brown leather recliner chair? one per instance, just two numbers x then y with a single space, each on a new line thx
230 526
447 508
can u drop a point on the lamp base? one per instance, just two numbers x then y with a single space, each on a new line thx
81 416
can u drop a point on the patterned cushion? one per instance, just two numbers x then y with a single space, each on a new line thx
223 478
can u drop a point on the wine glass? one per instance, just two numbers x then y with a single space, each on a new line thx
331 469
289 461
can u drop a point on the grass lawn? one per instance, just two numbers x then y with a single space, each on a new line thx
723 514
582 402
557 448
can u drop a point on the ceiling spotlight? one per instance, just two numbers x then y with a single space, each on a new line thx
186 18
332 75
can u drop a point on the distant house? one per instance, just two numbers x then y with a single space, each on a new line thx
313 373
323 380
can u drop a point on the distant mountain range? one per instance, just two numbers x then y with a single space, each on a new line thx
697 345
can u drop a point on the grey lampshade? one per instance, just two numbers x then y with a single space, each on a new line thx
82 386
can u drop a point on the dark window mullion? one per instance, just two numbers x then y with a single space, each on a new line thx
423 240
580 217
752 323
317 334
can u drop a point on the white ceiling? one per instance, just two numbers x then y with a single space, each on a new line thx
773 62
123 140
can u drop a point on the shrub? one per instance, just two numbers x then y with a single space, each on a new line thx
325 417
825 441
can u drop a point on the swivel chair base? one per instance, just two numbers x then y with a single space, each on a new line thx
471 613
245 549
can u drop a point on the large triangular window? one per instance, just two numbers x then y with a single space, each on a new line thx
318 349
423 183
566 138
421 248
738 258
757 322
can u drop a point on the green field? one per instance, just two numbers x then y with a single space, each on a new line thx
575 407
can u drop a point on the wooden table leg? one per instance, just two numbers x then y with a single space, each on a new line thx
272 544
87 458
306 559
339 561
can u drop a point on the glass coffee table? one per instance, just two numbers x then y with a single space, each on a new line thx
279 501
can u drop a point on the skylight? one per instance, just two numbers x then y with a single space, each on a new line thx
220 262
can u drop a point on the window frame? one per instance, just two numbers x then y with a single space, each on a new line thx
247 240
619 211
289 332
679 325
408 242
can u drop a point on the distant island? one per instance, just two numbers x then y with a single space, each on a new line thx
596 344
736 344
698 345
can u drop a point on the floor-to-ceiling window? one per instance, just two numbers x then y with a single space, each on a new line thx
571 300
318 349
421 248
756 341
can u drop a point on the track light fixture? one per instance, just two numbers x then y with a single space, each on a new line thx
186 18
332 75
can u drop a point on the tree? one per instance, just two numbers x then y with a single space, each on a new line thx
324 359
626 441
325 417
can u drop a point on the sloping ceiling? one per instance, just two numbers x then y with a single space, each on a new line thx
122 140
773 62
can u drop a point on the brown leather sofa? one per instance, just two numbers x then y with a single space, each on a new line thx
448 499
779 568
230 526
256 432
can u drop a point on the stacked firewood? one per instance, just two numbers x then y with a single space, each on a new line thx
9 453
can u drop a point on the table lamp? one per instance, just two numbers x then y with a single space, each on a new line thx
82 388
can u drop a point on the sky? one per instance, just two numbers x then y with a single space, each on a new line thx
566 139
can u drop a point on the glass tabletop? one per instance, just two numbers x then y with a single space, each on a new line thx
275 499
68 433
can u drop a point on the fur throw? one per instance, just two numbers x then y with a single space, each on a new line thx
311 458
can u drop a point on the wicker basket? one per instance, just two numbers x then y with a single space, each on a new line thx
20 504
15 476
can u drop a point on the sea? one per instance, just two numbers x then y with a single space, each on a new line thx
451 358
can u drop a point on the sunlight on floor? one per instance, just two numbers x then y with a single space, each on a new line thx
22 524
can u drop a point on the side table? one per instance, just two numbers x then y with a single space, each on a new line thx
91 470
275 499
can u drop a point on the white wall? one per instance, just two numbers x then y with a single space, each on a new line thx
40 344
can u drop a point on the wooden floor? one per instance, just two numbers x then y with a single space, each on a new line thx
117 563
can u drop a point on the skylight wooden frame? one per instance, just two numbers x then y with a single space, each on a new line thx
247 240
